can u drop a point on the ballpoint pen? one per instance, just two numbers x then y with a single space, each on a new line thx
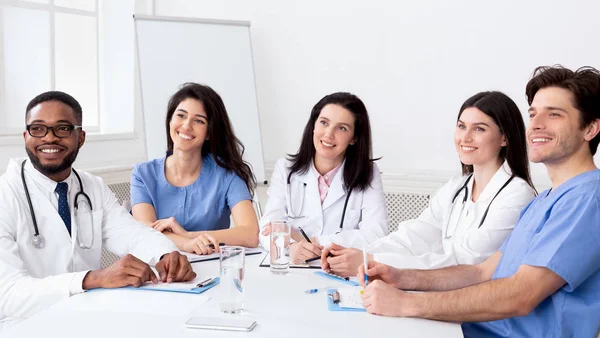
212 246
365 265
311 291
206 282
309 241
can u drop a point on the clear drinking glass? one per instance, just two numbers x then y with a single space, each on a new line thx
280 247
231 261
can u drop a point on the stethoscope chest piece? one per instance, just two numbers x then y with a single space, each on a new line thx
38 241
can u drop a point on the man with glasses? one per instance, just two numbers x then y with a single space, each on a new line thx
54 221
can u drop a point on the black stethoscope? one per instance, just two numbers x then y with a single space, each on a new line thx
37 240
293 215
464 200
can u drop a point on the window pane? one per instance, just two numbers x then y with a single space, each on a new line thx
26 48
76 62
86 5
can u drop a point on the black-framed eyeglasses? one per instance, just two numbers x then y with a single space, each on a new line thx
59 130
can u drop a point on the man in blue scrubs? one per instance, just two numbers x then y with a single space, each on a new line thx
545 279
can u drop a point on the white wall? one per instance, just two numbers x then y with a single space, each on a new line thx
412 62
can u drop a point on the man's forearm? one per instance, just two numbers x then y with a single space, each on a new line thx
493 300
444 279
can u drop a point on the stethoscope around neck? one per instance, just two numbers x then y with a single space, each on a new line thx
37 240
465 188
293 215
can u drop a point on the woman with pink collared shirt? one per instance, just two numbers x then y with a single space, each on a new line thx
331 188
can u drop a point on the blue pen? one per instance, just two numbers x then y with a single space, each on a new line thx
366 266
311 291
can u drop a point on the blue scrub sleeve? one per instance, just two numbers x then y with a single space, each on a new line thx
138 189
237 192
569 242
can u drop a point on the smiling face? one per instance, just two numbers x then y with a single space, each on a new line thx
188 127
333 133
554 133
51 155
477 138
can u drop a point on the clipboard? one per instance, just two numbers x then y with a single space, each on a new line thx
194 258
334 305
196 290
336 278
265 264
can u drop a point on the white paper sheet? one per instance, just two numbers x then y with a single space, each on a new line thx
350 298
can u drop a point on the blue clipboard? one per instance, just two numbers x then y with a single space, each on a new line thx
196 291
336 278
331 306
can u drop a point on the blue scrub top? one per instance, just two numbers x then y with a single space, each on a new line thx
558 230
203 205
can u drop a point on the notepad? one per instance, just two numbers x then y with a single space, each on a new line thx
193 258
312 265
345 299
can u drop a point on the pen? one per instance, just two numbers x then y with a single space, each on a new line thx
206 282
212 246
304 235
311 291
366 266
312 259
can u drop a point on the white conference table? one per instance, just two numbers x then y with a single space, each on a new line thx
277 303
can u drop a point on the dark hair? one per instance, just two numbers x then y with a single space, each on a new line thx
56 96
358 170
584 84
505 113
226 149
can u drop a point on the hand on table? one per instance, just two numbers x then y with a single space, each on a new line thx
301 251
175 267
344 261
127 271
201 244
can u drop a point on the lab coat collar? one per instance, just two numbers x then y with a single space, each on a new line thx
42 181
498 180
336 189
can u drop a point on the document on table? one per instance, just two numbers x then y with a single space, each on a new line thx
350 298
193 258
266 262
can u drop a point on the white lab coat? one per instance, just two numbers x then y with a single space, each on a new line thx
32 279
422 244
366 217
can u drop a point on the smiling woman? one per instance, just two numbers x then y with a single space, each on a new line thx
331 188
190 193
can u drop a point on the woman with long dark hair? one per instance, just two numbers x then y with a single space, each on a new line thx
190 193
468 218
331 188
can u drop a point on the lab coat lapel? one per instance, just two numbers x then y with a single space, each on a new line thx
336 190
497 181
312 191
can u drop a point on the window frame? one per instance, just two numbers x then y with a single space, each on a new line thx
51 9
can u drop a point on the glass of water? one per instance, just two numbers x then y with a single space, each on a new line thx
232 278
280 247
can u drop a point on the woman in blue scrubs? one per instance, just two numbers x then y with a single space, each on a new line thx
190 193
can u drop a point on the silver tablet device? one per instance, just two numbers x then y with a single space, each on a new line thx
227 324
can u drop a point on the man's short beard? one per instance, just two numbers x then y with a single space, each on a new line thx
52 169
